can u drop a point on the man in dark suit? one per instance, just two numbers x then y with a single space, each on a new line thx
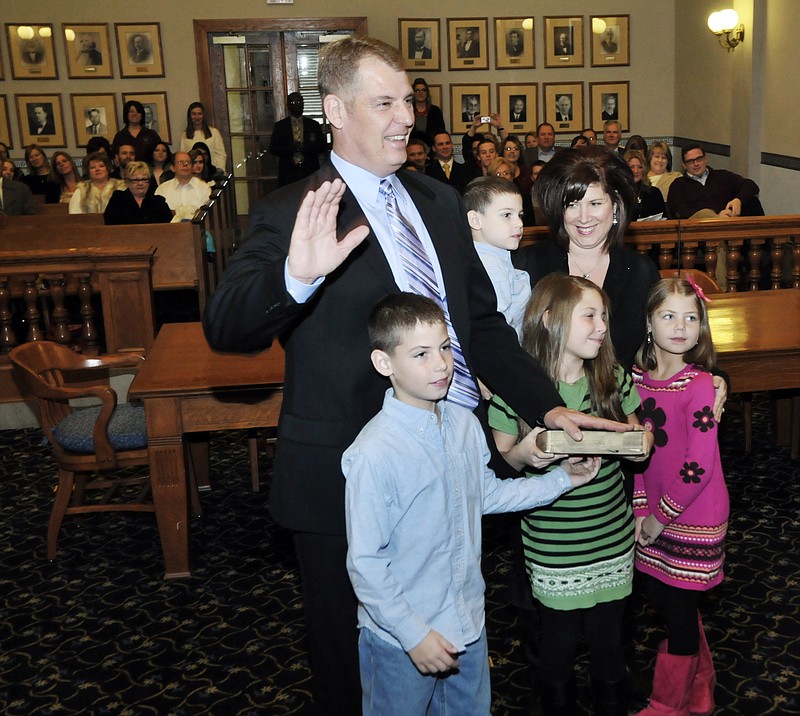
418 47
95 125
297 141
564 108
16 199
39 121
517 110
471 46
444 167
317 259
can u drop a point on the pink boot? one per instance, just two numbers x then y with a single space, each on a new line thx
672 684
701 702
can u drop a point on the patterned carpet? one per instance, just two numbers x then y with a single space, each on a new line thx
99 631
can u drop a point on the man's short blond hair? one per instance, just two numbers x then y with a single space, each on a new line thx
338 63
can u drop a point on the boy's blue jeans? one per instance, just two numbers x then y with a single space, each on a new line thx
392 686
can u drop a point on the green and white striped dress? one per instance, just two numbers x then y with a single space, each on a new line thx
579 549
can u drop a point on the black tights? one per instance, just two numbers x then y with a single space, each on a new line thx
601 626
678 608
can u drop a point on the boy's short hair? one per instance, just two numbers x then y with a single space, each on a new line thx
397 313
482 191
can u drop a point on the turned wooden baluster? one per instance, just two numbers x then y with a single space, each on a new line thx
60 314
711 257
32 315
7 337
796 266
732 256
665 257
754 254
687 255
88 330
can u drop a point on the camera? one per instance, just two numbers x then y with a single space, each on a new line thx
486 120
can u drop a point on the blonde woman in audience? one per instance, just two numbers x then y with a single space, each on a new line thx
92 195
661 175
64 173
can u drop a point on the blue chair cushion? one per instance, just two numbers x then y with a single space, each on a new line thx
126 429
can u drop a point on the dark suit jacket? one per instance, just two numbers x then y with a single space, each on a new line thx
282 146
18 199
49 128
426 54
474 49
460 175
331 389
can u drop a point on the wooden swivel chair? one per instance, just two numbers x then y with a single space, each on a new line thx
87 443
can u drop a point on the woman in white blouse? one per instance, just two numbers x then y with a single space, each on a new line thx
197 130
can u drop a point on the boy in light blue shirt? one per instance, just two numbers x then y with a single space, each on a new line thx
494 213
417 487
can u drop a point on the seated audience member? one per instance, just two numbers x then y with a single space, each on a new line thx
546 137
93 194
701 187
417 153
486 153
161 163
530 154
16 198
649 201
494 214
65 175
500 167
213 172
10 170
38 176
661 175
200 169
137 204
198 130
636 141
471 139
539 217
4 153
590 134
612 136
98 144
125 154
184 194
580 141
133 132
444 167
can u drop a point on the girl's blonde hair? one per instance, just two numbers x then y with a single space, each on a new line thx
545 331
703 353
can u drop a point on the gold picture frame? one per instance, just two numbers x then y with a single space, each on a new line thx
94 115
419 43
139 49
601 95
154 103
520 100
611 40
41 119
554 105
466 100
514 43
32 52
87 49
563 41
468 43
5 124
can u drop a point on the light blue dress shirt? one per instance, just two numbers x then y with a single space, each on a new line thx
415 494
512 286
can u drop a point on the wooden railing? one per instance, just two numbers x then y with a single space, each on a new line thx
693 243
217 219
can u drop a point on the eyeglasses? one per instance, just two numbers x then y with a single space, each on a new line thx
694 160
138 180
420 89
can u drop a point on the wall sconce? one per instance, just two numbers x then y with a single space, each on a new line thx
725 25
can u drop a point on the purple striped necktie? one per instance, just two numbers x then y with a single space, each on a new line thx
422 280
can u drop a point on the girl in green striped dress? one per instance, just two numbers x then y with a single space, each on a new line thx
579 549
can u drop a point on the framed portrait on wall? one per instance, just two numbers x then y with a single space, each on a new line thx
563 106
610 100
419 43
466 101
94 115
611 40
5 125
139 49
41 119
513 43
563 42
156 114
88 51
32 53
468 44
518 106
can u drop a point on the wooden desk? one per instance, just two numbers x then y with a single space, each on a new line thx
757 337
188 387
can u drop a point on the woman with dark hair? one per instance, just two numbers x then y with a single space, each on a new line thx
92 196
211 172
521 175
38 176
9 170
134 133
198 130
161 163
580 141
649 201
138 204
588 199
636 141
64 173
428 118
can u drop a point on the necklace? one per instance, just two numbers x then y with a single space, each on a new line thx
583 272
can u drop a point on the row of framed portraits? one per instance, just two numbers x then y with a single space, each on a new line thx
87 51
468 42
41 117
563 105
